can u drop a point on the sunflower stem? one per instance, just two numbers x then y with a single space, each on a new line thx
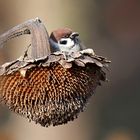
40 46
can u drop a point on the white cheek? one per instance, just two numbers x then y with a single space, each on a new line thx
70 43
66 47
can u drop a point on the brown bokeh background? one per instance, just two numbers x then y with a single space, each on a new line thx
112 29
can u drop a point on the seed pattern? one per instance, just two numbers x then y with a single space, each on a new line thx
50 95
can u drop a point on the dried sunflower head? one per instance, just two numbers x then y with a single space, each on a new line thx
51 88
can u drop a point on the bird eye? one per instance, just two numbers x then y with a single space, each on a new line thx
64 42
66 36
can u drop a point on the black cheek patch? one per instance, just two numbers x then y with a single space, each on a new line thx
64 42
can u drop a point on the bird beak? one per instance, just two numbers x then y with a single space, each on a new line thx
73 35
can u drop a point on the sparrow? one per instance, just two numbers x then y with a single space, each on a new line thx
65 40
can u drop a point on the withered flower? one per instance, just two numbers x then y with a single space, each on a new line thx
52 85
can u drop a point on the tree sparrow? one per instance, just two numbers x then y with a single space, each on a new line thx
65 40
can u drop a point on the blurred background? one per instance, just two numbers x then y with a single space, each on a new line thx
112 29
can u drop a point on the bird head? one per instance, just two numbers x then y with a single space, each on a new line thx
65 40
